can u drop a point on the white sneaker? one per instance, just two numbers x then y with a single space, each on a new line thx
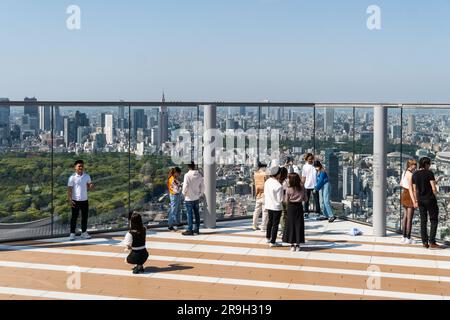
72 237
403 240
85 236
267 240
293 248
410 241
298 248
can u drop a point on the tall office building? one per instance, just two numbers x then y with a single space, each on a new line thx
83 134
58 120
45 118
121 112
332 165
70 130
30 109
411 124
329 121
347 183
242 111
81 119
109 128
396 132
138 121
163 122
5 113
102 119
155 136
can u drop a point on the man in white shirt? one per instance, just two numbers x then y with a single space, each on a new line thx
273 197
193 189
309 179
77 194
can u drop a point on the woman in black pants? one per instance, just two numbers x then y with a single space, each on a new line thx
295 225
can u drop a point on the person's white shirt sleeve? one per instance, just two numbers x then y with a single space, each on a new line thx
70 182
185 184
128 241
279 194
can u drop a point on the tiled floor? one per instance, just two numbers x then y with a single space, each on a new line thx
229 262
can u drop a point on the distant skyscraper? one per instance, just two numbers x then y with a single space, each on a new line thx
347 183
155 136
5 112
70 130
31 110
329 121
411 124
138 121
45 118
242 111
4 123
332 166
121 112
163 122
102 119
58 120
82 134
396 132
81 119
109 128
230 124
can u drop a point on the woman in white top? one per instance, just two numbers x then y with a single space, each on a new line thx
408 200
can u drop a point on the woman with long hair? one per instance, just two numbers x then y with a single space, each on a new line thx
295 225
408 200
135 243
174 187
284 182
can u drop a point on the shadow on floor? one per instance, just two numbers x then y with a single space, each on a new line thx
170 268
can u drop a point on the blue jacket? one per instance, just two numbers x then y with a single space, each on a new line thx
322 179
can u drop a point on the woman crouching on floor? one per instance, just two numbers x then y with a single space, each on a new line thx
135 243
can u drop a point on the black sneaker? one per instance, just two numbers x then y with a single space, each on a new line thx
188 233
138 269
171 228
197 232
332 219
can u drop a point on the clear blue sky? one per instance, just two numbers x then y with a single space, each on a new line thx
281 50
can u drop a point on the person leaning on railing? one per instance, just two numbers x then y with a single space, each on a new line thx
424 186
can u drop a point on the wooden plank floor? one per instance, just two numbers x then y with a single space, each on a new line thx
229 262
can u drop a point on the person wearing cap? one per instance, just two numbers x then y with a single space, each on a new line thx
259 179
273 198
323 188
309 179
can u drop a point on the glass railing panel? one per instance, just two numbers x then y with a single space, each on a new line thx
363 155
396 160
334 148
25 172
99 137
237 159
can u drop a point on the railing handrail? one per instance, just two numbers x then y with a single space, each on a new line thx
221 104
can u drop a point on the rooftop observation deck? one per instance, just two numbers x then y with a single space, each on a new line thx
229 262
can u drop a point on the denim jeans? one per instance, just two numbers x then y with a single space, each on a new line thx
192 208
174 211
325 204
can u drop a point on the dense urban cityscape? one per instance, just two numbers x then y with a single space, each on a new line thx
341 138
